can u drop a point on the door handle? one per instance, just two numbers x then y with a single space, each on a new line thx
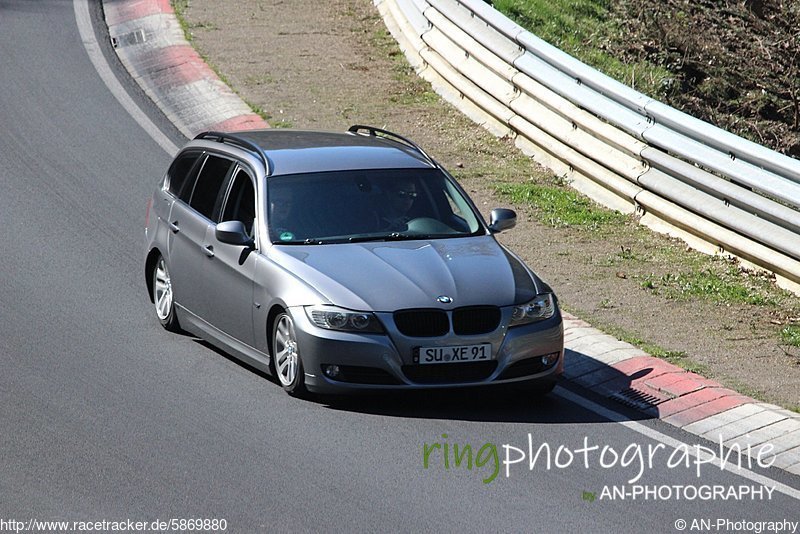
174 227
208 250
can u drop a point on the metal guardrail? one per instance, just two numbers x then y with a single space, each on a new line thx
618 146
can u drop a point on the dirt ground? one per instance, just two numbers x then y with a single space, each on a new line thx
734 64
327 65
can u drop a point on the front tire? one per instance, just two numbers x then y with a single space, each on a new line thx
286 356
163 297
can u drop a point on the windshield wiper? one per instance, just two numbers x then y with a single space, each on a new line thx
366 238
301 242
398 236
395 236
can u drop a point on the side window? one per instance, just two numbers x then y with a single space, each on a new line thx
241 202
182 172
209 183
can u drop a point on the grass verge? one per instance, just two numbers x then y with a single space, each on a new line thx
790 335
559 206
718 279
675 357
584 29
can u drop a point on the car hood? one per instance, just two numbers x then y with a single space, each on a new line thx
387 276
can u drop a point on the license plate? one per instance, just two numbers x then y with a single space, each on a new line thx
455 354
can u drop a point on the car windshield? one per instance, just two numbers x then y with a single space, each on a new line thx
375 205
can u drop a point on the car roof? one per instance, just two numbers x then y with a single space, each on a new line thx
290 151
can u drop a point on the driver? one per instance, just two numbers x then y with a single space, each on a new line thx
399 197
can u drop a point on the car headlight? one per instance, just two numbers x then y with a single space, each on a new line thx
541 308
333 318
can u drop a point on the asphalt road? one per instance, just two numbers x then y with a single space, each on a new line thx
103 415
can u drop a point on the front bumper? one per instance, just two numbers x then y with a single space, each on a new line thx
386 361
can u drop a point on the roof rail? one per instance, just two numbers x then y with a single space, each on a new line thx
356 128
235 140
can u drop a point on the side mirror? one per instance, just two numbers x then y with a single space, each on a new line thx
233 233
502 219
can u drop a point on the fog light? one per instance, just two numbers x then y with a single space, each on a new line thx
331 371
550 359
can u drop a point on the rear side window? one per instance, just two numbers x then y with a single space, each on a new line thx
205 197
181 173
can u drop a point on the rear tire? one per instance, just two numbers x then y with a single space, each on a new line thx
286 358
163 297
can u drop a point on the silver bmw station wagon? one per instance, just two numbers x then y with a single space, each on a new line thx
343 262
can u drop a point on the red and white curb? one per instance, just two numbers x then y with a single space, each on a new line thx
703 407
150 43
